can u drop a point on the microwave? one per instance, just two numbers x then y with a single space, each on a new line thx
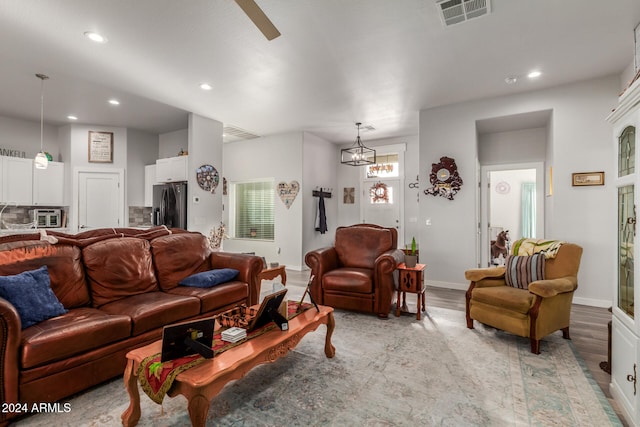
47 218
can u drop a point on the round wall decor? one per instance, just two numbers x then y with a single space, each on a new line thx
503 187
445 179
207 177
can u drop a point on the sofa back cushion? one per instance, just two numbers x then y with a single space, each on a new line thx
360 246
118 268
178 256
63 262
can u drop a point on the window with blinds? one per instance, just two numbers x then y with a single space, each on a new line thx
253 208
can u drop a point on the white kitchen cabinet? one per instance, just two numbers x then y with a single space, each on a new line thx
48 185
149 181
17 180
625 333
172 169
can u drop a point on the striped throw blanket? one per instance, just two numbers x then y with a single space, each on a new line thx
532 246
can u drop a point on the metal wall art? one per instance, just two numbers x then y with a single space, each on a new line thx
444 178
208 178
288 192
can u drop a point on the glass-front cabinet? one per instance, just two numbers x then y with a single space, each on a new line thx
625 333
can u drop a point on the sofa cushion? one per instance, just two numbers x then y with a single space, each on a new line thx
505 297
63 261
349 280
178 256
360 246
153 310
217 297
119 268
522 270
210 278
75 332
30 293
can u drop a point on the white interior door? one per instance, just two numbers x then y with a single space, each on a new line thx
100 200
381 204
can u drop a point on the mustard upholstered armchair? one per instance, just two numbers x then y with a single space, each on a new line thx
533 311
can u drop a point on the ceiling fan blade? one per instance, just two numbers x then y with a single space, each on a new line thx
258 17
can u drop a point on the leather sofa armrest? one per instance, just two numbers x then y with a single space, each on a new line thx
320 261
249 267
552 287
389 260
477 274
10 337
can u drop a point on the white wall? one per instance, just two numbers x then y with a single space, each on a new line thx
582 141
205 148
23 135
319 171
142 149
512 147
171 143
279 157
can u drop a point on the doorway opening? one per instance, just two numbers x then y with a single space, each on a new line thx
512 204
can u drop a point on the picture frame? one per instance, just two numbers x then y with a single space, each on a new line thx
581 179
100 147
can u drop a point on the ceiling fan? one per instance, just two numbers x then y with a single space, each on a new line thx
258 17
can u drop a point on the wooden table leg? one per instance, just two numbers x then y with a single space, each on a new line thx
398 304
329 349
424 305
131 416
418 306
198 410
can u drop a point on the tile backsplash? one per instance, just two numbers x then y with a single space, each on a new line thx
140 216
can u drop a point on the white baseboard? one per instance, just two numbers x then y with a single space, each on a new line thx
592 302
447 285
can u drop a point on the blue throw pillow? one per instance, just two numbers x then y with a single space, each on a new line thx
30 293
210 278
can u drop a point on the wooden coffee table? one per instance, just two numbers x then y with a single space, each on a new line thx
204 381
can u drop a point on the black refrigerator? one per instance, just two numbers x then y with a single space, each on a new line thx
170 205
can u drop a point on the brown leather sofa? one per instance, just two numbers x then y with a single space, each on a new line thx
120 287
359 272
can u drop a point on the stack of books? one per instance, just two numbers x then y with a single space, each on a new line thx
234 334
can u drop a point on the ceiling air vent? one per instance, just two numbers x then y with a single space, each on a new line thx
231 134
457 11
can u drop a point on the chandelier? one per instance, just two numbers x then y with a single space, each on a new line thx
358 154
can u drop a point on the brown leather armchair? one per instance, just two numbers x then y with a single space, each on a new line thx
359 272
543 308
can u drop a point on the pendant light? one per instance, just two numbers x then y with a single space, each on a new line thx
41 161
358 154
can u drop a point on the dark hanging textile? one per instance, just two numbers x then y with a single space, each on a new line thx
321 218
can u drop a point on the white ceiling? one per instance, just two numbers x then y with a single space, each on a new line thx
336 63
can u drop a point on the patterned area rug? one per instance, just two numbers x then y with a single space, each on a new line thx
398 372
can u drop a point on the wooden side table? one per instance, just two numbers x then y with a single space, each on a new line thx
272 273
411 280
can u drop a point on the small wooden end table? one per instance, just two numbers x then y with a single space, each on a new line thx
272 273
411 280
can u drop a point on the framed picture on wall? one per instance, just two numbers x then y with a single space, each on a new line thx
587 178
100 147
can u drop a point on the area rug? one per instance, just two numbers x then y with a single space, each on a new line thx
396 372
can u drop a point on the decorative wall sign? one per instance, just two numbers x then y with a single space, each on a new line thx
288 192
208 178
100 147
349 196
444 178
581 179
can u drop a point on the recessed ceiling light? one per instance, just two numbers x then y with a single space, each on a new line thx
534 74
114 102
72 117
95 37
206 86
511 80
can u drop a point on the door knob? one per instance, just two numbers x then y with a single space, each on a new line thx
632 379
83 226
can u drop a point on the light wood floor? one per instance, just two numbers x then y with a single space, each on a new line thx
588 329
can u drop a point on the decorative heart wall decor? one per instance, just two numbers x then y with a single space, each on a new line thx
288 192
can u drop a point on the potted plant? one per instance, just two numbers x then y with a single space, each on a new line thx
410 256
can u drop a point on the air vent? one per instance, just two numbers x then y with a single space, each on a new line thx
456 11
231 133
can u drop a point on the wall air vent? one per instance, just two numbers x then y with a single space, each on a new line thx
456 11
232 133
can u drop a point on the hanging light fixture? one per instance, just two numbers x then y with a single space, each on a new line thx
358 154
41 161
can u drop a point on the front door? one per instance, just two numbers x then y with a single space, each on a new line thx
99 200
381 203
